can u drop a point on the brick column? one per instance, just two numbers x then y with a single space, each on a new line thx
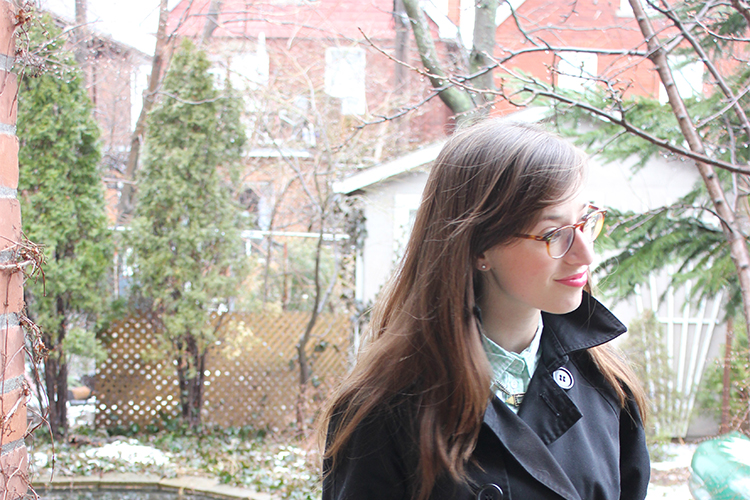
13 455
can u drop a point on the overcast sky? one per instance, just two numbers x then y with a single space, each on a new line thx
129 21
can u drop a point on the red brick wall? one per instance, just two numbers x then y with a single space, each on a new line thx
585 23
13 455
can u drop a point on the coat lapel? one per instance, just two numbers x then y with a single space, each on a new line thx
547 409
528 449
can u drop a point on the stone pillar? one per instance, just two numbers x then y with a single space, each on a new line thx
13 455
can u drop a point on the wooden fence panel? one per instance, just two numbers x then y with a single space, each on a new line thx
251 375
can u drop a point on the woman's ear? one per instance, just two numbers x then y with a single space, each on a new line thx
481 263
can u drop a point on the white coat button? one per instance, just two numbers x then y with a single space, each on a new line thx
563 378
490 492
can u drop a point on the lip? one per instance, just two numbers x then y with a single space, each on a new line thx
575 280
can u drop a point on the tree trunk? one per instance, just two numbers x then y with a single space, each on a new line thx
126 204
81 42
56 382
730 224
191 367
457 99
212 21
726 388
269 249
482 51
304 363
401 23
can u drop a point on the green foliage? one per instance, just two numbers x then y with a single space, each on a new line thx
188 257
82 342
687 234
61 191
646 114
646 347
719 25
680 235
712 383
62 196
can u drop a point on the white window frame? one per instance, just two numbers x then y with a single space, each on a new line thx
404 211
575 69
345 78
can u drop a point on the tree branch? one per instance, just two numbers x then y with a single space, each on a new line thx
125 205
457 100
739 111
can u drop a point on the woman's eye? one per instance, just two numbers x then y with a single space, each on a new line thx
552 235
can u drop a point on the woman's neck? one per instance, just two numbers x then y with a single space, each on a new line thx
513 332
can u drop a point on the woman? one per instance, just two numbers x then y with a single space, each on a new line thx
486 375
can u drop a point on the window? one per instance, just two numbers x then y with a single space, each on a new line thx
575 70
249 70
345 78
404 214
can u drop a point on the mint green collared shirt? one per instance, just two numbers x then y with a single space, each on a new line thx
512 371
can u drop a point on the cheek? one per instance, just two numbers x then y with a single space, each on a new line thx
527 264
524 273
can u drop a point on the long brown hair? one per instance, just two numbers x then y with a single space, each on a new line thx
490 182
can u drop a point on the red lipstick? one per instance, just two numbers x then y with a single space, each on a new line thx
575 280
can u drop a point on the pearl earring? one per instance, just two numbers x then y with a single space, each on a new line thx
484 266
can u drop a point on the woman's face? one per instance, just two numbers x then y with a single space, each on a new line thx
520 277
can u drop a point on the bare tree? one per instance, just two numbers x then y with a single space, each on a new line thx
126 204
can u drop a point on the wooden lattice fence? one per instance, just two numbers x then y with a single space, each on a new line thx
251 372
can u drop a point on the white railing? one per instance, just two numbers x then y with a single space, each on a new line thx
689 331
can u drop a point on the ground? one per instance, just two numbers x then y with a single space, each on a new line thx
669 478
279 467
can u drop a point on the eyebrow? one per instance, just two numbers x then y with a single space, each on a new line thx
557 217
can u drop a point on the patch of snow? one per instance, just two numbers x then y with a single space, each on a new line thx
129 451
40 459
680 455
676 492
82 415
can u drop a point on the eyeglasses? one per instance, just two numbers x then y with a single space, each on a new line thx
561 239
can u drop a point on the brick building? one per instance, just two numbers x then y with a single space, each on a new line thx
309 78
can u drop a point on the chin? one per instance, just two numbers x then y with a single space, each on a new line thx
567 304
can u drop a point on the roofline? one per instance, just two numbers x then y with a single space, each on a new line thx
506 9
416 159
390 169
66 25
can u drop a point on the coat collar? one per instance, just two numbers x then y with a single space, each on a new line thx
591 324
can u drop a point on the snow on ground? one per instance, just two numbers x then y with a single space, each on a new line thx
674 492
669 477
679 455
129 451
82 415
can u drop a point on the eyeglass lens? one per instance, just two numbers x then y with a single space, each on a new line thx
562 239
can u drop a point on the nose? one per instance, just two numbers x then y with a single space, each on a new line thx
582 250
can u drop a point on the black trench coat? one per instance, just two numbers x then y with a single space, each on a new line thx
570 440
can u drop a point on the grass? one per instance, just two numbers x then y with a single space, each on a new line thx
285 467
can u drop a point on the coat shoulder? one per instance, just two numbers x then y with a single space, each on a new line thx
379 457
